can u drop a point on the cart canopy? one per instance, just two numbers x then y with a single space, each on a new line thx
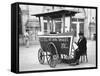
57 14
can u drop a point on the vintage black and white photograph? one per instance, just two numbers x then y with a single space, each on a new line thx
55 37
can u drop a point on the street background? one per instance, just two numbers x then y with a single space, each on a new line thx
30 26
5 39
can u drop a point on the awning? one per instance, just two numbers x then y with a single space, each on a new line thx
56 14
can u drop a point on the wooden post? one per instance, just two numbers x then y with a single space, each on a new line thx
63 24
48 25
51 25
70 23
78 29
54 26
40 24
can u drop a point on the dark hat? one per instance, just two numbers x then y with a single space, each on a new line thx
81 33
27 30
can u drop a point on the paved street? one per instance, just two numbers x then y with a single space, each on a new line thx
28 58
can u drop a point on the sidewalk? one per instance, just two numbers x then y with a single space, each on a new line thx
29 58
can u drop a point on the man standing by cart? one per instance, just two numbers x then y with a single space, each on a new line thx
82 46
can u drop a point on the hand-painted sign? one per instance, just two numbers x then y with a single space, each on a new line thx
63 42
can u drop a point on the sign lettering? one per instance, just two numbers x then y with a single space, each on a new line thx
64 46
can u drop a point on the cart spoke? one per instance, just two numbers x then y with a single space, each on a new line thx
41 56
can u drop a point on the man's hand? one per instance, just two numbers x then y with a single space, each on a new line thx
75 42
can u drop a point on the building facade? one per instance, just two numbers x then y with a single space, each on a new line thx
85 21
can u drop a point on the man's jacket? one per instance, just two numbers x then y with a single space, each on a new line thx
82 45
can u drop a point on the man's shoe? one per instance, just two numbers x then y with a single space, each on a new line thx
77 63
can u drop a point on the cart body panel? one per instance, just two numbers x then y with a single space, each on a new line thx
62 42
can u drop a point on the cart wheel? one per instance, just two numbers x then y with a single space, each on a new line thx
48 57
41 56
51 59
52 55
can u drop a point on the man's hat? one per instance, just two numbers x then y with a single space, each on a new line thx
81 33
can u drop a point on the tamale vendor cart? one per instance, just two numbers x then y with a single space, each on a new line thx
56 44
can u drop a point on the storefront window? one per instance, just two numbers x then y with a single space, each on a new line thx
74 19
81 20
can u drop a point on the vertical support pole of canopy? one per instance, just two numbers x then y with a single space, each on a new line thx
40 24
63 24
54 26
51 25
70 24
78 29
48 24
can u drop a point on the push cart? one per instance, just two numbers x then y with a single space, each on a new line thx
57 43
